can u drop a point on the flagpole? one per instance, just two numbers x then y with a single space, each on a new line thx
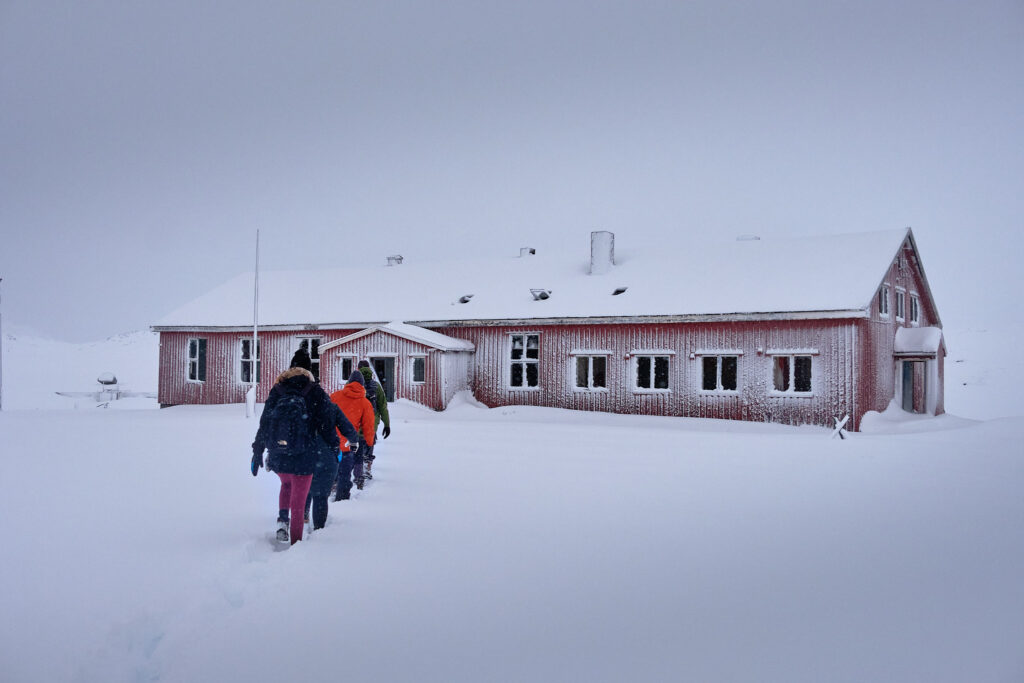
254 359
1 351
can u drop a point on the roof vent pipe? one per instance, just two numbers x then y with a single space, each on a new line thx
395 260
526 251
602 251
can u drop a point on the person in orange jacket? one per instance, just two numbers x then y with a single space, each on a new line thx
357 408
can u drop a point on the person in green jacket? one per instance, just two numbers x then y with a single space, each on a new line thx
380 409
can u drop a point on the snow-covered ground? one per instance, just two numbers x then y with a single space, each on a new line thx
516 544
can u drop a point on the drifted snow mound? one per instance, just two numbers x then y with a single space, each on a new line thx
465 399
895 420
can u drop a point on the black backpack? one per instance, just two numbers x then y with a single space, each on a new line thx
290 429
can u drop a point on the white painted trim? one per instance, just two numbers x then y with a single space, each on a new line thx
652 352
717 391
792 352
590 352
571 362
717 352
413 357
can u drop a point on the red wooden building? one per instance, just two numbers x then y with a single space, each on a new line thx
793 331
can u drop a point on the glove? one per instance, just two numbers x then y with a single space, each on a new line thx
257 462
387 431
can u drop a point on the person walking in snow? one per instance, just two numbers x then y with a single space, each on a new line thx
352 401
379 400
295 465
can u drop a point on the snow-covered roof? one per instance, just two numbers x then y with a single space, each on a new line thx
410 332
924 341
837 273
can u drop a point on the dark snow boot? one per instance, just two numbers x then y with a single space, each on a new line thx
366 469
359 483
282 530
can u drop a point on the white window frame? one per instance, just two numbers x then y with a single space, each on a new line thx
653 354
413 357
574 357
901 304
353 362
882 303
718 355
792 354
190 360
524 361
915 308
254 371
315 361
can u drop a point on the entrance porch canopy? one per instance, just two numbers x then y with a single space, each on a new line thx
919 342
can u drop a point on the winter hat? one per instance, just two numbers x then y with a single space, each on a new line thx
357 377
363 364
301 360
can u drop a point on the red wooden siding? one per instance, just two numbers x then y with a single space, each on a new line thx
222 383
833 369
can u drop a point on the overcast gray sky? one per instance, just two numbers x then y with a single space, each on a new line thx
142 143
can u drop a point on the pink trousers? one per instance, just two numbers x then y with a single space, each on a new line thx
294 489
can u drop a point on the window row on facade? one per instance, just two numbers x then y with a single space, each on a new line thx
791 373
248 365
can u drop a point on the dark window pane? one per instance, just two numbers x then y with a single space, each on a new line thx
418 370
710 381
517 374
802 373
531 374
582 372
192 347
314 352
532 346
780 373
202 360
246 372
346 368
643 372
661 372
599 365
245 349
304 345
729 364
192 371
517 346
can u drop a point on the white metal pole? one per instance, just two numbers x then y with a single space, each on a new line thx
1 350
250 394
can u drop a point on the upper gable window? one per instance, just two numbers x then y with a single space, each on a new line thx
883 301
311 345
524 372
719 373
915 308
247 374
197 360
651 373
901 304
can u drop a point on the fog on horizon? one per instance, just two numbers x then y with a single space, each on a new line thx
141 146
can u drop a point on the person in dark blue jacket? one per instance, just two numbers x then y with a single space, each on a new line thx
297 471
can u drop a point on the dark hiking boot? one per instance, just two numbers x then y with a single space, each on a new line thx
366 470
282 531
342 495
359 484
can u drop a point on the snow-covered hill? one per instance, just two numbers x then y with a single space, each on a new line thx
35 369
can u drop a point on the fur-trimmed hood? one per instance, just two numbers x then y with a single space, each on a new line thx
295 372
